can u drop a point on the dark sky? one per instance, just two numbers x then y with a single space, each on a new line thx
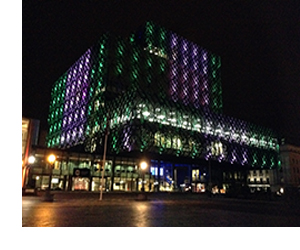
258 41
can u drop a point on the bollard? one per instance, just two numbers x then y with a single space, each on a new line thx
142 197
48 196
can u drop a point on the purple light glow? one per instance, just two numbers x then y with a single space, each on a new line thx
76 100
189 80
195 77
233 156
204 76
126 143
245 157
173 69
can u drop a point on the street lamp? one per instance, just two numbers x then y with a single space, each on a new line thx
143 166
31 159
51 159
143 196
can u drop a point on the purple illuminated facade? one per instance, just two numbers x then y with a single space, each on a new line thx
68 108
75 102
189 79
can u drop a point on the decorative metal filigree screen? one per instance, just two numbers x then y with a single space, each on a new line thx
157 92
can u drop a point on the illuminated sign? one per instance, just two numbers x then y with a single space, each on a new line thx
81 172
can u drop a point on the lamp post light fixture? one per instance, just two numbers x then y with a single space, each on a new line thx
51 159
31 159
48 196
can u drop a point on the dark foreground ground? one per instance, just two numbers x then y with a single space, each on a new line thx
159 210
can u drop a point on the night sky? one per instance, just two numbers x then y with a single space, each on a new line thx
258 41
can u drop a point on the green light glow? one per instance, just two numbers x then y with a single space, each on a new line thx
177 119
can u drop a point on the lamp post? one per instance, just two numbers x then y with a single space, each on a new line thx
144 166
48 196
142 196
104 154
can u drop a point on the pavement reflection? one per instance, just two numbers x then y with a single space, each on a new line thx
27 205
46 216
142 210
37 214
69 210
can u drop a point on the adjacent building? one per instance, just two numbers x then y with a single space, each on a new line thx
290 158
30 136
159 98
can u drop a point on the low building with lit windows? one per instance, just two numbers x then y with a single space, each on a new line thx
262 179
30 136
159 96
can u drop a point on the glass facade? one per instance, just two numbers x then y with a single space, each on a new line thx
159 95
83 172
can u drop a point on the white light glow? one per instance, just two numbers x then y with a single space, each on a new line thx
224 130
144 165
55 180
146 113
31 159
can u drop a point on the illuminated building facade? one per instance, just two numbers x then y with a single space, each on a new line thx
160 96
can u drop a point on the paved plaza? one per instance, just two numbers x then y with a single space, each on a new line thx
159 210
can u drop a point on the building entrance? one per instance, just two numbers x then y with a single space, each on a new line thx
182 178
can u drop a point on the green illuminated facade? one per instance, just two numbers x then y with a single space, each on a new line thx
161 96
